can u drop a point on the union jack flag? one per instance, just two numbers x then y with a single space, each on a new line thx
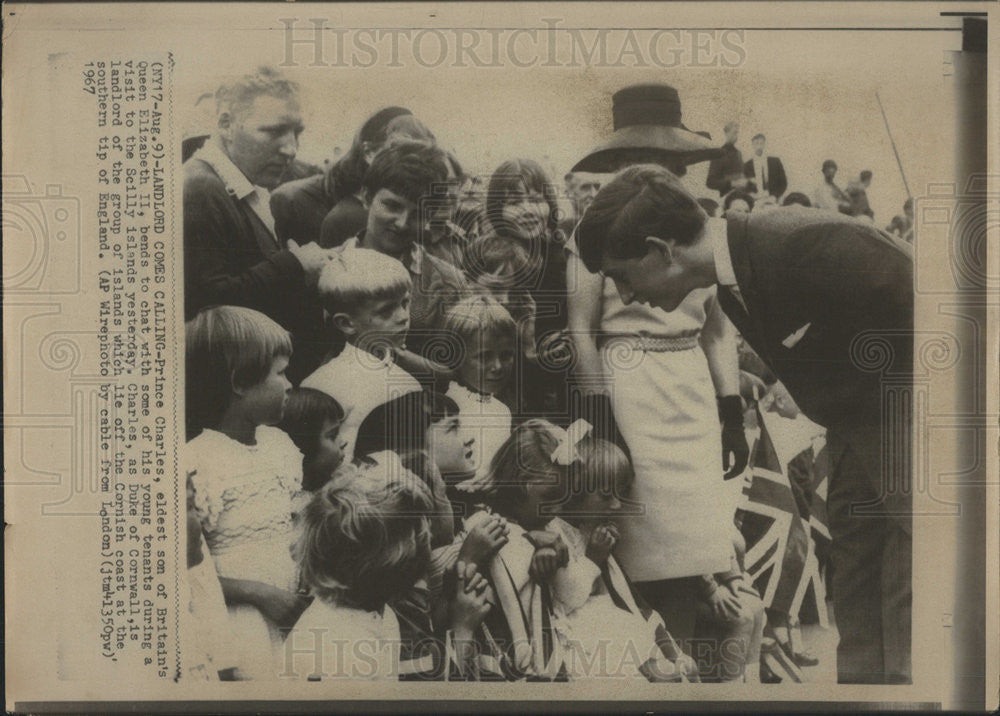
776 537
819 533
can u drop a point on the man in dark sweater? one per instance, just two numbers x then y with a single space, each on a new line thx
725 172
231 254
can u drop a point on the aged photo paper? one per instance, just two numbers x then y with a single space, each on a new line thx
505 356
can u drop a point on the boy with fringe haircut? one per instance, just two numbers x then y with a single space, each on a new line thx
366 296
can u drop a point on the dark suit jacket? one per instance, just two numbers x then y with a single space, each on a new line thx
347 218
776 180
299 206
231 258
838 292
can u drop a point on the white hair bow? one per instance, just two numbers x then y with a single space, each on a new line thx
565 451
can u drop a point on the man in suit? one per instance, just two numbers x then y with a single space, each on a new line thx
766 172
725 172
231 254
827 302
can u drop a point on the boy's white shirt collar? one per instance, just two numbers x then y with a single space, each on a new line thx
718 234
361 356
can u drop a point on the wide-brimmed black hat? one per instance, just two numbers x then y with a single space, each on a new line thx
648 128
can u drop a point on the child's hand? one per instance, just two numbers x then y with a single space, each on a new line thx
725 605
544 538
601 543
483 541
471 602
551 553
544 563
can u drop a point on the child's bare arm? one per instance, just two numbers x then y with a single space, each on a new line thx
279 605
483 541
418 365
472 601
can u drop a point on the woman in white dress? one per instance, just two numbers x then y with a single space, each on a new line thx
662 372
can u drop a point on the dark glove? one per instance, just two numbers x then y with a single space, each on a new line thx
734 439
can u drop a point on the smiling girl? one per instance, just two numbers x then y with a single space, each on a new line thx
521 206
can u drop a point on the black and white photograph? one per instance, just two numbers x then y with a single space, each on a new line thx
588 346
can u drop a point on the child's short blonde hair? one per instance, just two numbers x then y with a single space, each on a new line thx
227 347
355 276
478 320
366 539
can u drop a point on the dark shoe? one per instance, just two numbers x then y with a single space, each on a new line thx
766 675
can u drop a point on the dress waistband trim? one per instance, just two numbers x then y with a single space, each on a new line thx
653 344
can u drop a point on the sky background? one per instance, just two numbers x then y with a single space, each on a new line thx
812 93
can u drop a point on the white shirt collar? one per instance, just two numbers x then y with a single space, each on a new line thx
362 357
235 180
718 234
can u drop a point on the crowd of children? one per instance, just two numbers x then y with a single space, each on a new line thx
444 512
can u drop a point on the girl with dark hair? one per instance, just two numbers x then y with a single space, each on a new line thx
401 426
349 215
312 420
300 206
521 206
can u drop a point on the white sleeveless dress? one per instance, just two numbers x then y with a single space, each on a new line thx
664 404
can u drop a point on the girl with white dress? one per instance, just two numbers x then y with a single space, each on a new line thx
245 473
